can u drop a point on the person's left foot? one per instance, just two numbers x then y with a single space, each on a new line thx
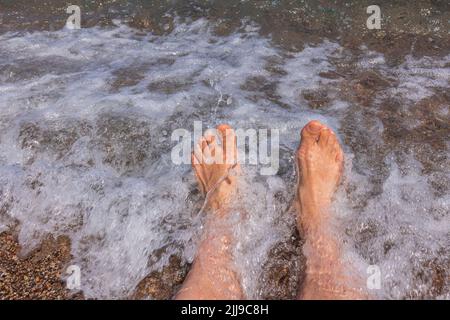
213 162
213 274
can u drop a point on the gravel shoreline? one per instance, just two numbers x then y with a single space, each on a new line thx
38 275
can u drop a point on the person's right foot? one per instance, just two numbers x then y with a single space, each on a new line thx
320 162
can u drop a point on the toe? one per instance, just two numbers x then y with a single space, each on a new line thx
203 151
198 173
210 135
339 156
310 132
226 132
301 153
212 147
198 154
326 138
203 143
194 161
223 127
336 145
210 139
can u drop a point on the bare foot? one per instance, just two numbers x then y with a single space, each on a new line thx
213 274
215 166
320 162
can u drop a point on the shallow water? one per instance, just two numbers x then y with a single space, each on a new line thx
85 144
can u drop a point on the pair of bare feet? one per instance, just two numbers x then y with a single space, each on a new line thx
320 161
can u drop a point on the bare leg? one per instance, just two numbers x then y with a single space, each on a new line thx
212 275
320 162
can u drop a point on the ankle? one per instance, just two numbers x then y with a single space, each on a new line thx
313 199
314 219
223 195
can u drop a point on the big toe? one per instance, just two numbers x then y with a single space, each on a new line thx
311 132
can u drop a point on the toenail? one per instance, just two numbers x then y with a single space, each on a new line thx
314 126
223 127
